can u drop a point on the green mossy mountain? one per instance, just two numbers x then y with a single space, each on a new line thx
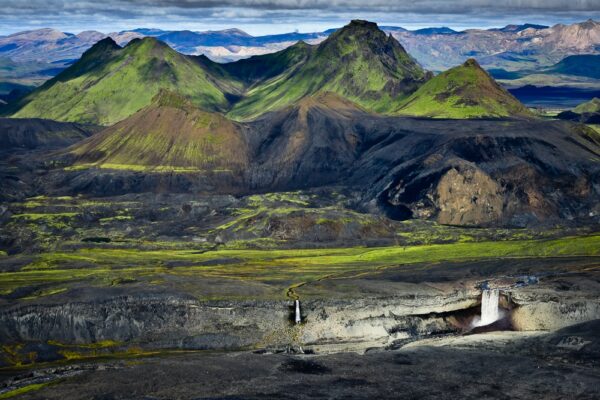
171 134
466 91
592 106
110 83
359 62
588 113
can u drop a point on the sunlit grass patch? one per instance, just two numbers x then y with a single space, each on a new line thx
277 268
25 389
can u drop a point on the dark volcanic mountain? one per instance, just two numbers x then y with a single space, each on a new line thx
481 172
508 172
311 143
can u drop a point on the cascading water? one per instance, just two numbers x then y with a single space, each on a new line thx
489 307
297 315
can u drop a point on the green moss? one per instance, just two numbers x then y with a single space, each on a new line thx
102 344
25 389
91 90
466 91
41 217
276 268
116 218
349 64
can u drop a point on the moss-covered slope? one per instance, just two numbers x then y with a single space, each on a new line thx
257 69
169 135
358 62
592 106
466 91
110 83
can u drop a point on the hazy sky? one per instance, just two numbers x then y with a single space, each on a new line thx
277 16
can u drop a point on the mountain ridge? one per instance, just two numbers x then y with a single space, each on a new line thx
371 69
92 92
359 62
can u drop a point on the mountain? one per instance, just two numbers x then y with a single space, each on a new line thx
312 142
359 62
110 83
171 134
256 69
511 48
189 39
479 172
592 106
40 133
459 172
519 28
588 112
41 54
466 91
435 31
587 65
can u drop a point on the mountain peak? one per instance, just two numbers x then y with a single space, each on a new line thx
472 63
363 37
358 26
106 42
589 24
362 23
148 40
466 91
100 49
359 62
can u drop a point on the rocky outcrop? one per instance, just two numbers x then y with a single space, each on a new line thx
468 197
171 321
484 173
155 321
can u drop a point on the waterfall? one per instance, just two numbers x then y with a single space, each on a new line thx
489 307
297 316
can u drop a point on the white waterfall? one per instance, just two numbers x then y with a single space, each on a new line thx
489 307
297 317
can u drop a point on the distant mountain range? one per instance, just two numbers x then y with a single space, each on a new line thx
40 54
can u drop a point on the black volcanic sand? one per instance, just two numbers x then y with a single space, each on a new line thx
501 365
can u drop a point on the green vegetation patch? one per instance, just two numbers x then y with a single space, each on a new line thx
463 92
278 269
24 389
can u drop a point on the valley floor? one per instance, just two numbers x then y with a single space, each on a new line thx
181 296
503 365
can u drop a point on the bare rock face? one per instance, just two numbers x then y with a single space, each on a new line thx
468 197
511 173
